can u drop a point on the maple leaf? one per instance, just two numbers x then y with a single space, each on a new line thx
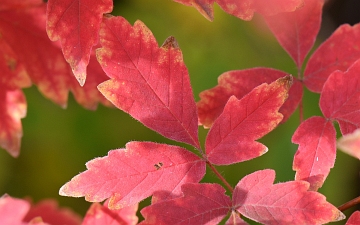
12 110
339 98
100 214
150 83
13 210
338 52
49 212
76 24
42 59
231 138
296 31
119 177
354 219
239 83
350 143
244 9
317 136
257 198
317 151
201 204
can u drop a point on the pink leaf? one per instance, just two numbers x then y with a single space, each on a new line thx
340 98
244 9
119 177
240 83
201 204
12 110
76 24
296 31
350 143
150 83
354 219
100 215
257 198
338 52
317 151
232 137
12 210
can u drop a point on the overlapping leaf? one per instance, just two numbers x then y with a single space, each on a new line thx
100 215
119 177
244 9
239 83
201 204
76 24
257 198
340 98
350 144
296 31
317 137
232 137
150 83
317 151
338 52
23 32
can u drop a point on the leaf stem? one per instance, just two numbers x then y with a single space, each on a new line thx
349 204
231 189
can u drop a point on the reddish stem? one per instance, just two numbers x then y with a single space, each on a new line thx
349 204
231 189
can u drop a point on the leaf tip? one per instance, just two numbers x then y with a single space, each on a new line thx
170 42
287 81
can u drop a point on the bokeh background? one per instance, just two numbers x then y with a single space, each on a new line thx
57 143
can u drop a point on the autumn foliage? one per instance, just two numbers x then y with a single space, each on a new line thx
76 46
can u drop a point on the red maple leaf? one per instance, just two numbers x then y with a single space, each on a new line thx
338 52
119 177
257 198
28 56
201 204
317 136
232 137
317 151
296 31
339 98
76 24
239 83
148 82
244 9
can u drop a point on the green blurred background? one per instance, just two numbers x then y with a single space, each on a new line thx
57 143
